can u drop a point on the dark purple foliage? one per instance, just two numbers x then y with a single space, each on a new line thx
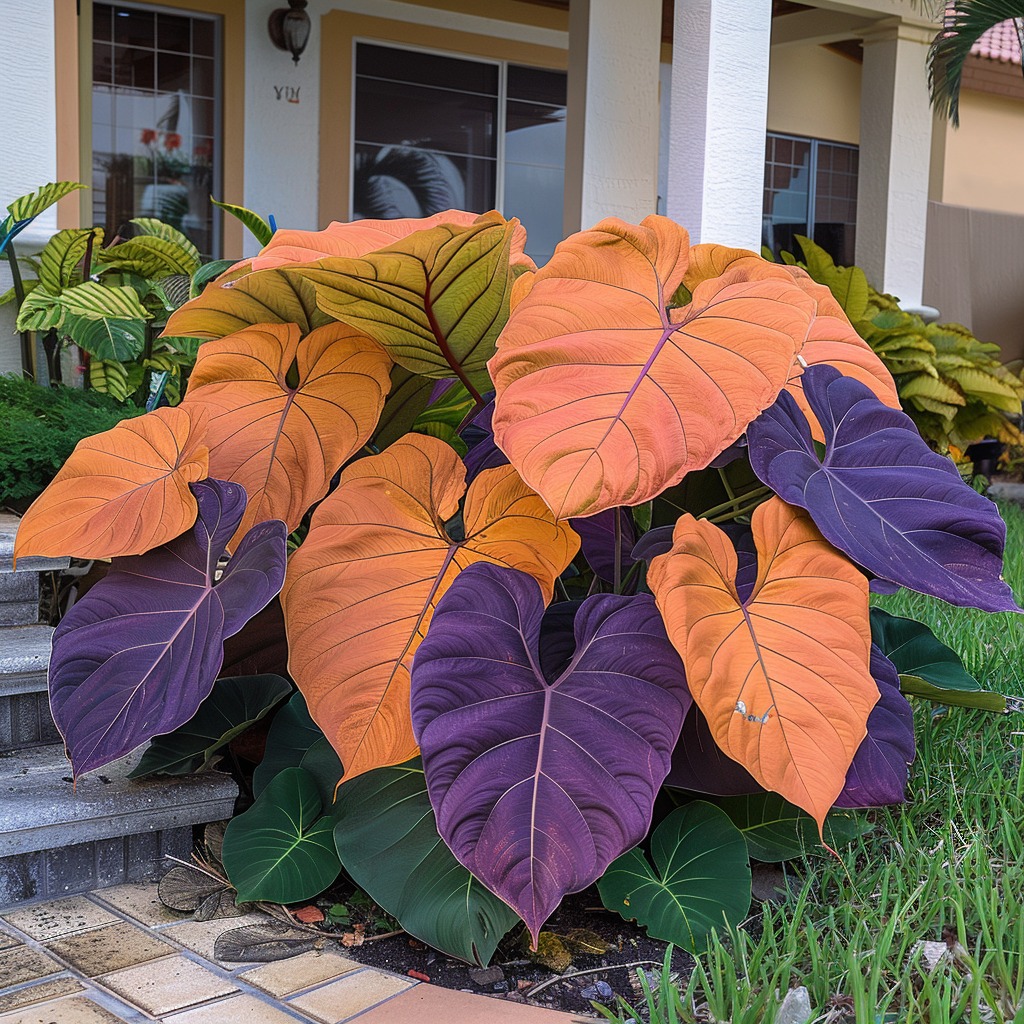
597 539
700 766
479 437
881 494
539 783
880 767
139 653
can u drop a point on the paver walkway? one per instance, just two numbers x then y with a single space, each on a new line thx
120 955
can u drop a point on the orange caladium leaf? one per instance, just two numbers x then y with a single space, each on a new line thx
361 589
436 299
121 492
359 237
224 307
283 442
605 396
832 338
783 676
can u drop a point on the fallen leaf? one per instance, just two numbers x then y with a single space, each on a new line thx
262 943
308 915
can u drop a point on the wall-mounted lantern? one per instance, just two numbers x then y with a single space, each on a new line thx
289 28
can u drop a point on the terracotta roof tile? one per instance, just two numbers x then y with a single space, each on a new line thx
999 43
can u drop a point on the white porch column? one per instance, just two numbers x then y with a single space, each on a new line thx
611 161
720 57
28 126
895 152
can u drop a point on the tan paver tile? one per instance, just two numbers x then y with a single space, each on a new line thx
59 917
39 994
112 948
346 997
23 963
140 901
428 1003
235 1010
7 939
200 936
76 1010
286 977
163 986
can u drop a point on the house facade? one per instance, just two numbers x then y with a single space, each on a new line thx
747 121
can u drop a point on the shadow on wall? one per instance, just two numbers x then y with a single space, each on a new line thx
974 273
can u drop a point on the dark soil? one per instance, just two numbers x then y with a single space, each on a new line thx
512 974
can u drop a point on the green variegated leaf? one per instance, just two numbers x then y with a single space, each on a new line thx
206 273
96 302
260 229
29 206
62 254
40 311
151 227
110 338
110 377
150 256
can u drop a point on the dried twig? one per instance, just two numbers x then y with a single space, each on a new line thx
530 992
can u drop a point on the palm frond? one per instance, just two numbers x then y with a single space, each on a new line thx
966 21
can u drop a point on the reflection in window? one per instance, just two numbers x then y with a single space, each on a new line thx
810 188
431 134
155 119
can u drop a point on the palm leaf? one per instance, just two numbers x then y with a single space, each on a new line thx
966 22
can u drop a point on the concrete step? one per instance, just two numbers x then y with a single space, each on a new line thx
58 838
25 719
19 598
8 529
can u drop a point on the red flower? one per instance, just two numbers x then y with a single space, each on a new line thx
203 149
172 140
148 136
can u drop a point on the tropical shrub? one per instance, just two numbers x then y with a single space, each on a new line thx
953 386
110 298
649 568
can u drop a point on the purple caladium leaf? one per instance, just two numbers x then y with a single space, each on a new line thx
137 655
539 783
479 437
880 768
881 494
597 539
700 766
659 540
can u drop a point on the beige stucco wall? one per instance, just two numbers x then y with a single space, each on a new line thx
984 157
814 92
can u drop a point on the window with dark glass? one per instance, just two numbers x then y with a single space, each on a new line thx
435 132
155 119
810 188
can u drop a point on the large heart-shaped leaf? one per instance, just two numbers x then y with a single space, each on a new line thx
232 707
539 783
927 667
605 396
775 830
362 587
700 766
604 534
292 734
283 437
109 338
782 676
269 297
878 774
121 492
881 494
388 841
282 848
436 299
138 654
700 880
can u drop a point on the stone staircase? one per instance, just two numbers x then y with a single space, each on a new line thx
57 838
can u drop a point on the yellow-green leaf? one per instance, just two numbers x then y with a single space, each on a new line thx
40 311
96 302
158 229
62 254
150 256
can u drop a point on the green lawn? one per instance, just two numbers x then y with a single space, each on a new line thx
949 864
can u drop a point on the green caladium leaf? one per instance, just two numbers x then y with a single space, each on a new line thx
927 667
282 848
95 301
150 226
436 299
775 830
233 706
700 879
40 311
259 228
150 256
291 734
206 273
387 837
110 338
62 254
